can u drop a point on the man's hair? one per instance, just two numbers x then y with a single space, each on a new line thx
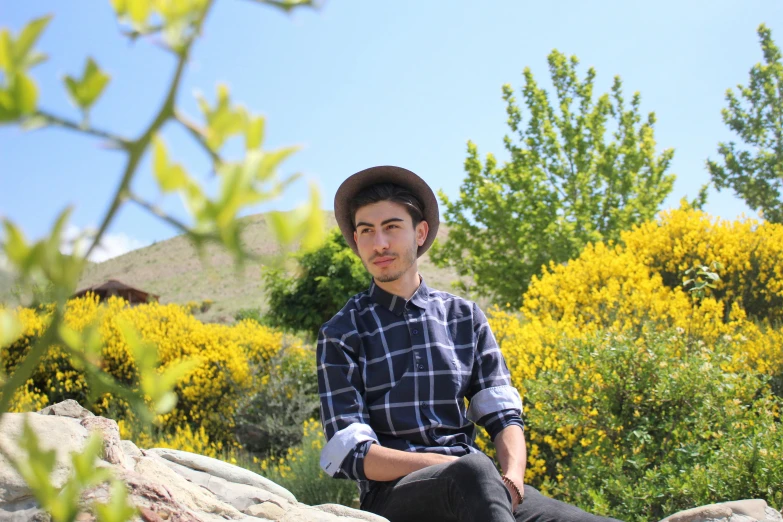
387 192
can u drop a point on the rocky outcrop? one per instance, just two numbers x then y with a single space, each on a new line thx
176 486
165 485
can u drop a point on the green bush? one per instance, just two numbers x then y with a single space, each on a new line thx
652 426
329 275
269 421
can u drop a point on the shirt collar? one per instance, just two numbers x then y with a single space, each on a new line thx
395 303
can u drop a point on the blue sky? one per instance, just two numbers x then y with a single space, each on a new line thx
358 84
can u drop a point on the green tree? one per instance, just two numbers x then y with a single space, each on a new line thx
567 183
327 277
755 172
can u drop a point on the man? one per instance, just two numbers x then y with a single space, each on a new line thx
395 366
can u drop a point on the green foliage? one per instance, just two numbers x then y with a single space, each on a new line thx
63 504
328 276
672 428
567 183
701 279
270 420
755 171
254 314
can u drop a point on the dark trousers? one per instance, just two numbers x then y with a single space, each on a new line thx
466 490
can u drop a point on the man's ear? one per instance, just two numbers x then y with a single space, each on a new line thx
355 237
422 231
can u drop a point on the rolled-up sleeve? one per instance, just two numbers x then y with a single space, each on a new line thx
494 403
344 415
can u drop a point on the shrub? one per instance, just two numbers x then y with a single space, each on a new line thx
269 419
231 359
641 428
329 276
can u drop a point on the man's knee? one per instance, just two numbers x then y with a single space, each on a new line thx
473 470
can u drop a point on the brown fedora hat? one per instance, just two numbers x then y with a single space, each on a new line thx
385 174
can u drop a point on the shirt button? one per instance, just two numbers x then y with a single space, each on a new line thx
422 404
421 367
415 332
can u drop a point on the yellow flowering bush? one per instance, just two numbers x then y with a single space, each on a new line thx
230 362
631 295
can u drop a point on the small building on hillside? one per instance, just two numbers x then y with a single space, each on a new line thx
112 287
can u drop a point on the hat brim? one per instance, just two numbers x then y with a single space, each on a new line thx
385 174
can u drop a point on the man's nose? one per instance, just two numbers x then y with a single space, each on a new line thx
380 243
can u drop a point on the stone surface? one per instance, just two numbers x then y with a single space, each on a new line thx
750 510
224 470
22 511
68 408
110 432
241 496
345 511
190 495
130 449
267 510
53 433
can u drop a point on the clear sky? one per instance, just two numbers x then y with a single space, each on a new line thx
359 84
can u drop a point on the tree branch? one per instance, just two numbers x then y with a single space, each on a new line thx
67 124
138 147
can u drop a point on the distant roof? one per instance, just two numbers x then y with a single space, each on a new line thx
116 287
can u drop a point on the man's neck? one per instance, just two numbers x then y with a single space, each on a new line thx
404 287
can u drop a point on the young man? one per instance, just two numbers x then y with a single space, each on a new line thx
395 366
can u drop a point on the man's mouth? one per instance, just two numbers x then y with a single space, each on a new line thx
383 261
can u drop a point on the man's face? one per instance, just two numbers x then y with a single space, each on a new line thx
387 241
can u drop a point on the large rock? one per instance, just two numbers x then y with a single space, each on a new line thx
68 408
224 470
750 510
54 433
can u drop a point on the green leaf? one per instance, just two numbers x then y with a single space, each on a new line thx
170 177
85 91
28 37
10 328
25 94
254 133
16 247
139 10
6 51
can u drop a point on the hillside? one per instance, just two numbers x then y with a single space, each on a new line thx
172 269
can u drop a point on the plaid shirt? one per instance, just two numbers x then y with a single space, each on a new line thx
396 373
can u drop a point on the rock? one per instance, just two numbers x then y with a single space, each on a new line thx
224 470
23 511
344 511
751 510
241 496
53 432
189 495
68 408
110 432
268 510
130 449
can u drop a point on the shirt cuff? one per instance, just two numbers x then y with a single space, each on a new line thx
494 399
343 442
496 422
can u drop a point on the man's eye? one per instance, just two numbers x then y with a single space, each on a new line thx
364 230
